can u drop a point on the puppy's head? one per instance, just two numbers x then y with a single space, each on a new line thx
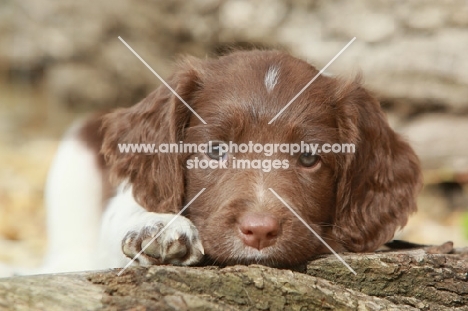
354 201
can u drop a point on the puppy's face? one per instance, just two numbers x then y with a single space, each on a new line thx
237 110
355 202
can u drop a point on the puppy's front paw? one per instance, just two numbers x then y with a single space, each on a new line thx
177 244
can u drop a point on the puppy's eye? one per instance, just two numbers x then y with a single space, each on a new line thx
217 150
308 159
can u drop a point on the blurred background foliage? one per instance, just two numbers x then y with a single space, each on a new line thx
60 60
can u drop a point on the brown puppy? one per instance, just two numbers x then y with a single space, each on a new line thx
354 200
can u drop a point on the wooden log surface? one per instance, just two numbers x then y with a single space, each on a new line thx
404 280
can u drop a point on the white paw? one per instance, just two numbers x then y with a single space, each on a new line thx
177 244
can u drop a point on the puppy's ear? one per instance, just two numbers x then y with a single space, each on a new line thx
378 184
157 179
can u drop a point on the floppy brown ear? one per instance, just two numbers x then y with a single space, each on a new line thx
157 179
377 186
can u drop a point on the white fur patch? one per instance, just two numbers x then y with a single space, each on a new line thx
73 199
271 78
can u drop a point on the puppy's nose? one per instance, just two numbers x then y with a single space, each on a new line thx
258 230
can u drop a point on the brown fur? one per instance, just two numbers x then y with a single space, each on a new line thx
354 201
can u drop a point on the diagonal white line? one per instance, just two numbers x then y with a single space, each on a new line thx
313 231
160 232
313 79
161 79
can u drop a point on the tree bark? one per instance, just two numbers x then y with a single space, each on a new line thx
421 279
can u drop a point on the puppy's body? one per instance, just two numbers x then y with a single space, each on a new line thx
89 220
355 202
73 199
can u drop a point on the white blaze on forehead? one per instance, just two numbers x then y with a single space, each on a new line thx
271 78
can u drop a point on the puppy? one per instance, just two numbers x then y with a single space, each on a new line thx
105 205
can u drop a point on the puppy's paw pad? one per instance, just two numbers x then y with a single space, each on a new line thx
169 249
177 244
132 246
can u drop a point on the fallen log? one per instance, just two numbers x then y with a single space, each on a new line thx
405 280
